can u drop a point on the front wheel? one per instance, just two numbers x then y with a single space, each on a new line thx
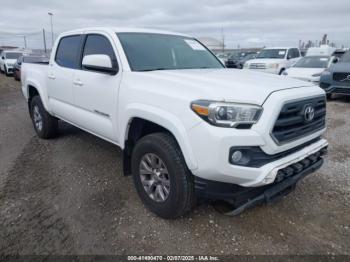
45 125
161 177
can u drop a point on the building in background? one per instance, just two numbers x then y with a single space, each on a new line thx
212 43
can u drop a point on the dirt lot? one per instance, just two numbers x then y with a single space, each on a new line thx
68 196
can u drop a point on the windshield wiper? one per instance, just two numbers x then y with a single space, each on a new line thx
153 69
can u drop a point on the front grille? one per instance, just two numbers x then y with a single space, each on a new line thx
257 66
341 77
291 123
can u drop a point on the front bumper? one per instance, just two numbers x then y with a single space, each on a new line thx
242 198
336 89
265 70
9 69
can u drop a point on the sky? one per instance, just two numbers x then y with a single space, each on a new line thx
247 23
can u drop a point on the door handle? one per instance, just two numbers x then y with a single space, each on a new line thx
51 76
78 82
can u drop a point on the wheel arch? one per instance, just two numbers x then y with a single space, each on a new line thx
143 122
33 88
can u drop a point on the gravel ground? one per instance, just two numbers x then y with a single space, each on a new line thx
68 196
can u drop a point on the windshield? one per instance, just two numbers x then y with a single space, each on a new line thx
147 52
272 53
12 55
313 62
346 58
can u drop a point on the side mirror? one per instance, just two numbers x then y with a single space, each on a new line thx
335 60
2 57
100 63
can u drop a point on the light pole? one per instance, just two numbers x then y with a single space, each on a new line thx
51 15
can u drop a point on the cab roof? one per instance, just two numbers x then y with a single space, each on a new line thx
121 30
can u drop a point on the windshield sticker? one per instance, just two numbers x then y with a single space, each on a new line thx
281 52
194 44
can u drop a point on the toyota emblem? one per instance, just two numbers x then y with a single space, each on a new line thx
309 113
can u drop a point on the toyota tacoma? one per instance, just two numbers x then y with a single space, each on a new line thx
189 128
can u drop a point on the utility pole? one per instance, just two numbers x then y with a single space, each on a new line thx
51 15
44 38
223 39
25 42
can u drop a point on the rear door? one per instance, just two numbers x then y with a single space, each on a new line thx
96 93
60 75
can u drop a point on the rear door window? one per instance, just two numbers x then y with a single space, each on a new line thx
68 50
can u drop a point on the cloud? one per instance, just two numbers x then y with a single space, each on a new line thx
244 22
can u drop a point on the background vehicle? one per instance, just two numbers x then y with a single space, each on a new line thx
189 128
244 59
336 79
27 59
274 60
309 68
339 53
223 57
323 50
7 60
234 59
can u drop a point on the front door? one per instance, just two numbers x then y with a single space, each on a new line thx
96 93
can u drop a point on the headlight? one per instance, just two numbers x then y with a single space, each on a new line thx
226 114
285 73
316 75
273 66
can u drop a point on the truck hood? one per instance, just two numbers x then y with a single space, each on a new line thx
215 84
303 73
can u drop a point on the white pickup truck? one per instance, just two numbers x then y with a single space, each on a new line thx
274 60
189 128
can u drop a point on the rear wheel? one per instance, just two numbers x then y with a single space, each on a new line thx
161 177
45 125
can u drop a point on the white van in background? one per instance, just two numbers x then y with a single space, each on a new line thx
323 50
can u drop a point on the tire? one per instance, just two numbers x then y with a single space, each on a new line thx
282 70
180 198
329 96
49 124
